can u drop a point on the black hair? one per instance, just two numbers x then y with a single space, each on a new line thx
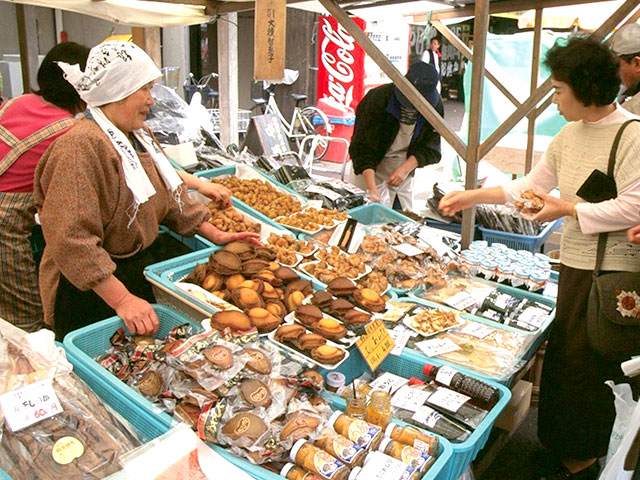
588 67
53 87
629 56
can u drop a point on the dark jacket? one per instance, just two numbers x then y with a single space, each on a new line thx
376 128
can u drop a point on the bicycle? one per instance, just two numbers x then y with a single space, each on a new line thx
304 121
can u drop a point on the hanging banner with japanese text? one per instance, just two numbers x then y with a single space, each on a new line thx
340 63
269 40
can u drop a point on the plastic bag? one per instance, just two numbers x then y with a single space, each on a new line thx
625 405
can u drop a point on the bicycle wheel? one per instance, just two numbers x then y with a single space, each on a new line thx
316 123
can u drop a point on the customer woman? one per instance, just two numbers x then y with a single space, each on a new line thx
28 125
576 409
102 190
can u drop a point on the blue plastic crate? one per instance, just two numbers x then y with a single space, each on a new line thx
195 243
373 213
4 475
408 365
520 242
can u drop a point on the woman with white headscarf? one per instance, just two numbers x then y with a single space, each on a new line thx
102 190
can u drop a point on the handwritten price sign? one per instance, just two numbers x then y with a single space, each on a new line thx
28 405
375 344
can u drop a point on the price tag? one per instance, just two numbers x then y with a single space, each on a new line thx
477 330
375 344
400 339
388 382
461 301
437 346
533 316
30 404
426 416
410 398
408 249
448 399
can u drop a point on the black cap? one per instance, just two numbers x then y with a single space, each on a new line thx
424 77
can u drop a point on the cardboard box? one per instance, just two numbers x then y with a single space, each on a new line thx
517 409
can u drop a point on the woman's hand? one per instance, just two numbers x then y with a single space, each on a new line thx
138 315
374 195
633 234
398 176
453 202
226 237
553 209
218 193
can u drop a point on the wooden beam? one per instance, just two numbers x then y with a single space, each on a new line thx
535 68
148 39
466 51
396 77
480 28
28 44
544 105
230 7
228 79
619 15
190 3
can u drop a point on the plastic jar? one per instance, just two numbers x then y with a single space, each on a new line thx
478 245
488 268
335 381
520 276
340 447
504 272
412 436
379 409
317 461
293 472
363 434
414 458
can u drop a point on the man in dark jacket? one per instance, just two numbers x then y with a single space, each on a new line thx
391 139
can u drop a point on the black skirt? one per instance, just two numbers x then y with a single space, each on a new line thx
576 410
75 308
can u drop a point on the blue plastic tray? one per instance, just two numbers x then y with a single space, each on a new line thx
195 243
411 366
520 242
89 342
373 213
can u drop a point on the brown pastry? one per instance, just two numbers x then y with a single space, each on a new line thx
150 383
221 294
231 318
269 291
330 328
369 300
259 362
263 319
276 307
255 393
244 250
321 299
233 281
286 274
327 354
289 333
309 341
253 266
265 253
267 276
188 413
212 282
246 298
273 266
300 285
293 300
315 378
308 314
220 356
341 287
340 306
256 285
225 263
356 317
300 426
245 425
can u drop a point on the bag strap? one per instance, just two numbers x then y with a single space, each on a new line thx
602 237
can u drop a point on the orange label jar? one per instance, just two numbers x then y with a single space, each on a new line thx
412 436
293 472
413 457
341 447
363 434
306 455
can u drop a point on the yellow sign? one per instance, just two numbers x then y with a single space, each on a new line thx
375 344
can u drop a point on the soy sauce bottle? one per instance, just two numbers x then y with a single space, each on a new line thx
481 393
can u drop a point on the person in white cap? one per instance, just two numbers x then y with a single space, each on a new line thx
102 190
626 44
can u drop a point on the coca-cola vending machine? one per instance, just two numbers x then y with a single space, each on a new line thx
340 80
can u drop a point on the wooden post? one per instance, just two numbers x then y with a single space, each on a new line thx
28 42
148 39
409 91
228 79
480 27
535 68
270 32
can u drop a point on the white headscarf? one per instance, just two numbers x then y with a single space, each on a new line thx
114 71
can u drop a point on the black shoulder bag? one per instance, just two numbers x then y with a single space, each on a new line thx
613 310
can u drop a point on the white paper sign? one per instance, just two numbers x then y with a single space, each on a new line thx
533 316
448 399
383 467
477 330
400 339
408 250
388 381
30 404
437 346
410 398
461 301
426 416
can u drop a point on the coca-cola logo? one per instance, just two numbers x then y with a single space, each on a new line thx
337 61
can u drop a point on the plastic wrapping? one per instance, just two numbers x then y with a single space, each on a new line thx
170 119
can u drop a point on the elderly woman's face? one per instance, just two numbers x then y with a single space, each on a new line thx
569 106
130 113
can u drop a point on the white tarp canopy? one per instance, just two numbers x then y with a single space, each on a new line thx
135 13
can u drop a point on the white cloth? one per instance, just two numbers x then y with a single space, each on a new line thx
114 71
134 174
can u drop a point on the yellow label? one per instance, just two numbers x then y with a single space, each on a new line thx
375 344
66 450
